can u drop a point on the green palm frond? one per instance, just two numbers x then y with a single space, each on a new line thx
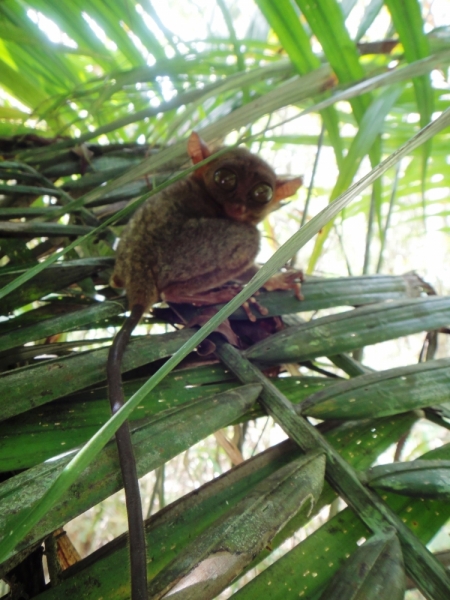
96 100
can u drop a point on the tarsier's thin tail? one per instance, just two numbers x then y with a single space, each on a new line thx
127 459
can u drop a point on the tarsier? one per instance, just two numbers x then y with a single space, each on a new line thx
182 244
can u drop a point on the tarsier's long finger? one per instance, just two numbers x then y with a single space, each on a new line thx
298 290
262 309
246 307
287 280
259 307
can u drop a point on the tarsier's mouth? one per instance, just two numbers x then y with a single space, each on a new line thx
238 212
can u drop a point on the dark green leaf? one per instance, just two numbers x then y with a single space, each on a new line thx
420 478
352 330
36 385
187 425
217 556
53 279
374 571
383 393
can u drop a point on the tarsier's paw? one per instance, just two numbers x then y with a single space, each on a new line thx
227 293
291 279
253 302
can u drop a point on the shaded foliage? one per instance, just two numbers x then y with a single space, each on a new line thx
93 125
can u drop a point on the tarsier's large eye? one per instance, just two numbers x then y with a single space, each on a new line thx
225 179
262 193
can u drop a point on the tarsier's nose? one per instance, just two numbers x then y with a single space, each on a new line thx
236 210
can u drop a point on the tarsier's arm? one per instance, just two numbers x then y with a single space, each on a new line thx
182 243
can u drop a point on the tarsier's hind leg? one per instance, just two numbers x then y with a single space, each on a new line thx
227 249
232 249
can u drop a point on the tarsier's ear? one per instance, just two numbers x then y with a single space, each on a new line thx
287 187
197 149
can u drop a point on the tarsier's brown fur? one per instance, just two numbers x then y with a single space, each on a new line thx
179 246
195 236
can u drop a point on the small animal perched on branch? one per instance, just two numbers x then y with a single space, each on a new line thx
181 246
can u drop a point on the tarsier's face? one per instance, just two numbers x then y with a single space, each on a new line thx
243 184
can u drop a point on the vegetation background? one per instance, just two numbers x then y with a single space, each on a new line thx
96 102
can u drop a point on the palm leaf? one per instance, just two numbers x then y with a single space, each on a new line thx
64 200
